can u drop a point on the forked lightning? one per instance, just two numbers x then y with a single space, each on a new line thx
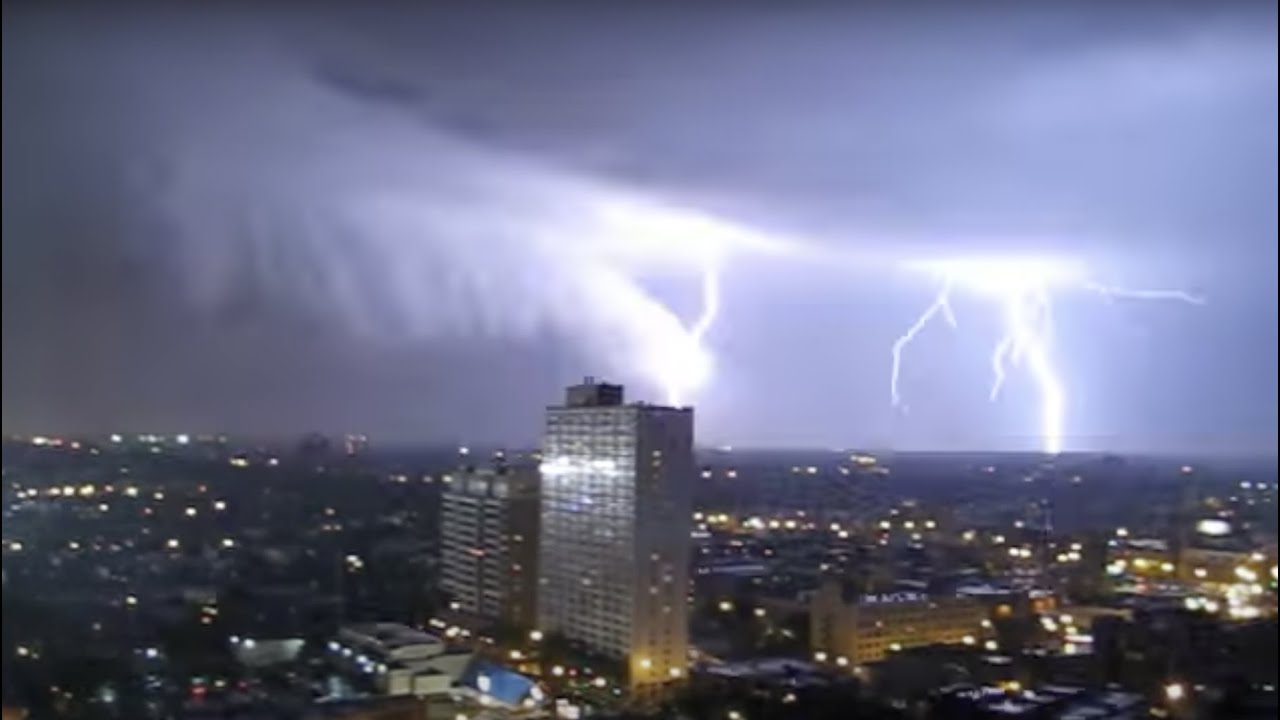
1023 289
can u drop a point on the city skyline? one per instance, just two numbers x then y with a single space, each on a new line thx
281 222
711 360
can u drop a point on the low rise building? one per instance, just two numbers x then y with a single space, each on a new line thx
1222 564
854 628
1146 559
398 660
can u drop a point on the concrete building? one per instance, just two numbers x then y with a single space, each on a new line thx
489 544
398 660
850 628
616 503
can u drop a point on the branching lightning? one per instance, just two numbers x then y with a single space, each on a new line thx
940 305
1111 293
1023 289
490 243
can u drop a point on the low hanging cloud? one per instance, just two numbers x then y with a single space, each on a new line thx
429 183
325 191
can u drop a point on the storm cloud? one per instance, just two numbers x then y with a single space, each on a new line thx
411 219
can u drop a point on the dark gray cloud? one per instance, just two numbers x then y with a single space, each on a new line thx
420 220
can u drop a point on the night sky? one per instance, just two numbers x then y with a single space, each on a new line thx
421 223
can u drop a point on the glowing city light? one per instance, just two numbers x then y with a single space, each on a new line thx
1213 527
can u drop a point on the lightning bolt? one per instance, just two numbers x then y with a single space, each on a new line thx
1023 289
997 366
1110 293
686 374
941 305
710 305
1027 335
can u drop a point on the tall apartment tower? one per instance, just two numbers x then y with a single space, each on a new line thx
616 505
489 543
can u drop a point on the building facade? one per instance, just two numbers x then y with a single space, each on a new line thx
394 659
616 503
489 544
854 628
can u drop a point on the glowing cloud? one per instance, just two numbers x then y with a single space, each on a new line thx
400 232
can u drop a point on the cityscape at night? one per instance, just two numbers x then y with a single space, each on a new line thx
640 361
210 576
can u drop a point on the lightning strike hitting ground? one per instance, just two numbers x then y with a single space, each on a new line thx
1023 288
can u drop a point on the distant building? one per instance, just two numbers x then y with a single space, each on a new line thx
1217 565
489 544
855 628
616 503
396 659
1141 558
1219 554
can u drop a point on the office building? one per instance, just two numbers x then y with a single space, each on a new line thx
616 503
489 544
851 628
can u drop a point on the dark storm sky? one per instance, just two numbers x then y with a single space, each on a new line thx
274 219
